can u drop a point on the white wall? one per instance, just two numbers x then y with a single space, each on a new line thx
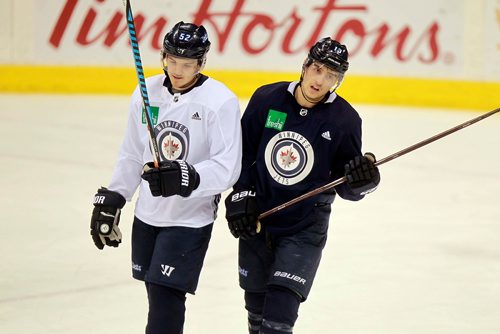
465 45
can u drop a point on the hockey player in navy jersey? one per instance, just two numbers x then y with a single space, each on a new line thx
297 136
197 126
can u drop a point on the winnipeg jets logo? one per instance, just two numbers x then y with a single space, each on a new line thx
173 140
289 157
170 146
166 270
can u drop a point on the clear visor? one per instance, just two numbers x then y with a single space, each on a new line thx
180 65
332 77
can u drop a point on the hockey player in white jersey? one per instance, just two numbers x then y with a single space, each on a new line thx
196 122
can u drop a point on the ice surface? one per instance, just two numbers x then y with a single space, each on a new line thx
420 255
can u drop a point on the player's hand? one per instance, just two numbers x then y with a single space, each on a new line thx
362 175
171 178
242 213
105 218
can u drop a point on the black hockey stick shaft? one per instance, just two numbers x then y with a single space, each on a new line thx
142 81
380 162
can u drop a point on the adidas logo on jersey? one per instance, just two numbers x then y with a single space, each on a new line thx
326 135
196 116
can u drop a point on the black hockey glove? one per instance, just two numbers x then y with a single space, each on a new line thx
242 213
362 175
171 178
105 218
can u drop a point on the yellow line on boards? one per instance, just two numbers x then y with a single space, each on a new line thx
356 88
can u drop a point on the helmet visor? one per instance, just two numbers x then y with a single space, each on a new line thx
331 77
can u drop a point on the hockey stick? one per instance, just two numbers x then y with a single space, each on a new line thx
379 162
142 81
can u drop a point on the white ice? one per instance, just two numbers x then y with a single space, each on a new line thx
419 255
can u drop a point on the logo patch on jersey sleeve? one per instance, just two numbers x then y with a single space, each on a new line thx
275 119
154 115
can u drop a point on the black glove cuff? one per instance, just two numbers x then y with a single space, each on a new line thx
192 173
105 197
189 177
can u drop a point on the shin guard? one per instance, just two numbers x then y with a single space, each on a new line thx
280 310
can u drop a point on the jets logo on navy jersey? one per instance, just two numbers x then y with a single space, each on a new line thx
289 157
173 140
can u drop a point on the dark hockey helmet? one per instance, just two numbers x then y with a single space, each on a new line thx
331 53
186 40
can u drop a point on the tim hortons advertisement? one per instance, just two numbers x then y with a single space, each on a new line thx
410 38
491 40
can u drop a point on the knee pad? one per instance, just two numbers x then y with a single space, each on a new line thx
166 310
280 310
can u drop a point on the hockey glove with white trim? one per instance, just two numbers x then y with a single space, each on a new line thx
362 175
242 213
105 218
171 178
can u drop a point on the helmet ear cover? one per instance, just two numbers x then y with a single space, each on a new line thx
307 62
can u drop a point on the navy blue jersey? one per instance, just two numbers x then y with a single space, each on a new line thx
289 150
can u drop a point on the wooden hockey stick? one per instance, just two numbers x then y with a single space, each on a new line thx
142 82
379 162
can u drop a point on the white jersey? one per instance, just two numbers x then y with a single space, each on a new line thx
200 126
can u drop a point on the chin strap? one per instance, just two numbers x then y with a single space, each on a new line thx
324 98
308 100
